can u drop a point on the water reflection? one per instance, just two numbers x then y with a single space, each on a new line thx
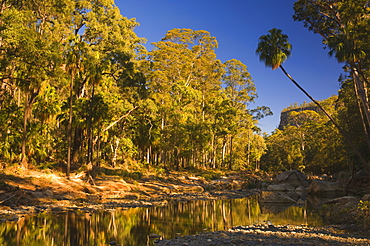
132 226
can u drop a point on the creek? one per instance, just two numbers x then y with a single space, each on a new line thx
132 226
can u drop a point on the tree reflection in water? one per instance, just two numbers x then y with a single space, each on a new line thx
133 226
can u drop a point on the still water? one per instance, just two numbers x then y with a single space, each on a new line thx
131 227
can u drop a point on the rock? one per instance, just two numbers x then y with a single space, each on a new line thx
293 195
280 187
275 197
154 235
192 178
188 188
366 197
300 190
263 185
301 202
5 208
38 194
293 177
341 199
325 187
266 235
345 201
343 178
48 193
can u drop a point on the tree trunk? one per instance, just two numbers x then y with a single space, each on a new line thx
358 101
223 153
361 90
90 130
24 162
231 153
176 158
27 113
98 154
248 150
69 154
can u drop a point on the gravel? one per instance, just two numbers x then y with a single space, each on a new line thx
269 235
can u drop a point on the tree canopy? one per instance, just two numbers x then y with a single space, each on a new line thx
79 90
76 72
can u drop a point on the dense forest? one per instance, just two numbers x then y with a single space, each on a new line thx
79 88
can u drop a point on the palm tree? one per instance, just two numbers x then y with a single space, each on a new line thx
273 49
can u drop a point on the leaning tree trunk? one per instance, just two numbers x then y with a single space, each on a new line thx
344 134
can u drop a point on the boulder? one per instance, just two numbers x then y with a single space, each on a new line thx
275 197
280 187
325 187
343 178
301 202
300 190
344 200
366 197
293 177
48 193
188 188
154 235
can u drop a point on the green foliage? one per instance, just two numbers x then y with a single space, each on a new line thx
344 28
274 48
76 79
131 175
363 209
78 87
211 175
308 143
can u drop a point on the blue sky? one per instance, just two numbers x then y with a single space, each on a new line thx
237 25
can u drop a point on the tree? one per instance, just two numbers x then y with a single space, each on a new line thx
344 27
184 76
73 67
273 49
100 55
307 141
31 55
240 90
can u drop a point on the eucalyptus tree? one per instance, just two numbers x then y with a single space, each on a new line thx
273 49
240 90
239 86
185 75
